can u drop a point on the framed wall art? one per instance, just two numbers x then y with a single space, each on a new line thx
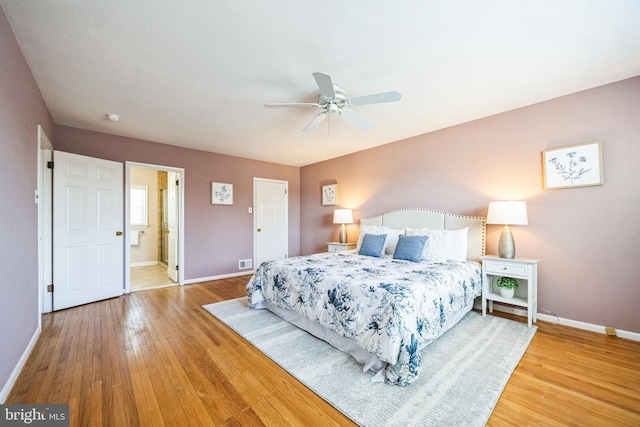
330 195
221 193
572 166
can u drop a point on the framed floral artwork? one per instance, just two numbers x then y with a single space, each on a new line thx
330 195
572 166
221 193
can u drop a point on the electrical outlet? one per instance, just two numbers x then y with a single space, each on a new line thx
611 331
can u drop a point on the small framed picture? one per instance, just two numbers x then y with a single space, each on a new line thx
330 195
221 193
572 166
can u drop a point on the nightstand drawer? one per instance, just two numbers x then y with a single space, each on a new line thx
496 267
339 247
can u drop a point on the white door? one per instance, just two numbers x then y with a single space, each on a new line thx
271 220
173 187
87 230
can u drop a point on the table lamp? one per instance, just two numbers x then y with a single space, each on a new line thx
507 212
343 216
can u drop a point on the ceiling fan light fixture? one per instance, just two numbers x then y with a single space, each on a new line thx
332 99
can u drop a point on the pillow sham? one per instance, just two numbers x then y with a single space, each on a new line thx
373 245
409 248
369 229
392 236
443 245
392 239
456 244
434 249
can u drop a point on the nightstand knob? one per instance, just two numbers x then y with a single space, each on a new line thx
504 268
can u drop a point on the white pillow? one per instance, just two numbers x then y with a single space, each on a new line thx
369 229
392 236
456 244
392 239
434 249
443 245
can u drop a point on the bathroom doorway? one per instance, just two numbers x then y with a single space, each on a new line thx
154 212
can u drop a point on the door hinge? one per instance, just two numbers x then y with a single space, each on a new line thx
177 267
49 288
177 182
50 165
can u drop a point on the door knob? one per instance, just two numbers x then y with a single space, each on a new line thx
118 233
259 230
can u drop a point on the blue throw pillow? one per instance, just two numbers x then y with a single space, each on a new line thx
410 248
373 244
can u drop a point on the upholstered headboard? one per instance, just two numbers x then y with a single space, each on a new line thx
436 220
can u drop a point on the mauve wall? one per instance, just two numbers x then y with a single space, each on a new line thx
587 239
22 109
216 236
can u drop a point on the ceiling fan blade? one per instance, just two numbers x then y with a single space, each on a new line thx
315 122
377 98
292 104
325 84
356 119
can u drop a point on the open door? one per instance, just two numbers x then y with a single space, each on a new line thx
173 188
88 224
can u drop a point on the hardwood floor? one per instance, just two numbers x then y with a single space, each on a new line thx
157 358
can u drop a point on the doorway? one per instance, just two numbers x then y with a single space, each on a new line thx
271 219
154 226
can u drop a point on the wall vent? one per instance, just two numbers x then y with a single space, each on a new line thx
245 263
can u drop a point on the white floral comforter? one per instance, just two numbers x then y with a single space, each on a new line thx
391 308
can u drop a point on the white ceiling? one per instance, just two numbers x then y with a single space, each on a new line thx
197 73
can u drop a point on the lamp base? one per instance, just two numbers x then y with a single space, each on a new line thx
343 234
506 245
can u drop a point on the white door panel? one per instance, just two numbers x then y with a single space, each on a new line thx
87 229
173 187
271 220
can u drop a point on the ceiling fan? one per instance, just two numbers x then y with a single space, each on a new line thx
333 100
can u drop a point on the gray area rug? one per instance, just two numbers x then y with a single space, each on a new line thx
463 375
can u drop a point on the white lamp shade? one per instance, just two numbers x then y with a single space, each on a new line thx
342 216
507 212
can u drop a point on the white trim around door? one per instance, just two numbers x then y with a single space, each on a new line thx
127 248
43 197
270 220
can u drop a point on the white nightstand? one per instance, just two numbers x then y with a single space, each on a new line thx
339 247
524 270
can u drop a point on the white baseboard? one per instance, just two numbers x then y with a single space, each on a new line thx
144 263
18 368
634 336
222 276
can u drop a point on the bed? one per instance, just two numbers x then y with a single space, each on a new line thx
382 305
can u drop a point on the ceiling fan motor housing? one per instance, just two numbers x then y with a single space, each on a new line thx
332 99
334 104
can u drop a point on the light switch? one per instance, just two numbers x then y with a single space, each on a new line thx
250 210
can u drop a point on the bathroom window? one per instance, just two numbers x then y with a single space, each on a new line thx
139 201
